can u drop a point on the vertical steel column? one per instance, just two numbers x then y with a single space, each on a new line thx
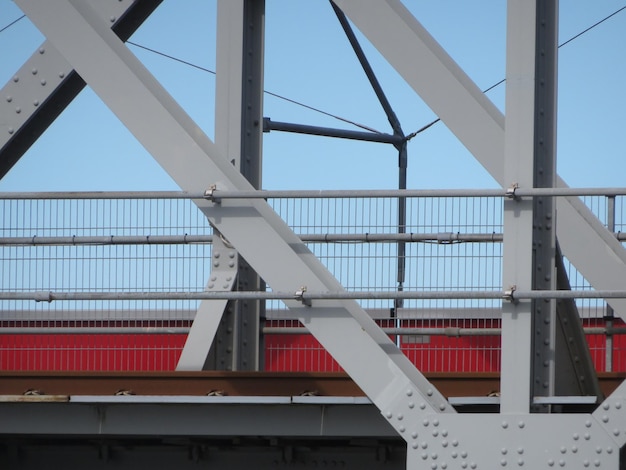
610 313
528 225
238 133
544 213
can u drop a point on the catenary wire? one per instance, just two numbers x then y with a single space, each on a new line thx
11 23
423 128
348 121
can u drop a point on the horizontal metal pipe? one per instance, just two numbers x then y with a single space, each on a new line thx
442 238
305 297
315 194
272 330
269 125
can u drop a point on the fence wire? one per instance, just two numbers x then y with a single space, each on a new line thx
149 335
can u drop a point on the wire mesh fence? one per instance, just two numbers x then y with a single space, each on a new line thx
447 244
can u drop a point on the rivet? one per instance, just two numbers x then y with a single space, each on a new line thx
400 416
414 435
598 450
521 424
112 19
36 103
454 454
586 463
422 406
18 110
520 450
442 406
9 98
16 79
618 405
435 422
34 71
596 463
444 465
429 392
11 130
455 443
211 285
409 393
463 454
401 429
225 286
41 50
435 433
606 406
424 445
444 433
444 443
463 464
605 419
587 436
434 456
503 451
563 450
415 445
424 456
562 463
551 463
473 465
587 424
231 254
505 424
61 74
389 415
574 449
433 466
217 254
43 82
411 405
503 462
609 450
425 423
229 278
520 462
576 436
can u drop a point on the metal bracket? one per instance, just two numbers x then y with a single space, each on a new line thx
210 196
510 192
299 295
508 294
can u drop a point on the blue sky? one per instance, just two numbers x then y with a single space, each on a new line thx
309 60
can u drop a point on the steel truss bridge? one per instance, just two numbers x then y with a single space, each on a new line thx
204 328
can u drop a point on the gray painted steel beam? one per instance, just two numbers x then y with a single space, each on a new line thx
45 85
252 227
479 125
226 335
517 335
219 418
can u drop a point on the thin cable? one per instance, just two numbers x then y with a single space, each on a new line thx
593 26
12 23
204 69
423 128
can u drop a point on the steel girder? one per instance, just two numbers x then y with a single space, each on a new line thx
434 434
195 163
43 87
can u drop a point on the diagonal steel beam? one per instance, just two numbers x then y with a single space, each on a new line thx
251 226
46 84
479 125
